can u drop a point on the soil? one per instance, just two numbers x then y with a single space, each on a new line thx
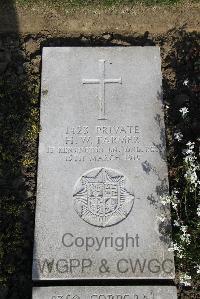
97 20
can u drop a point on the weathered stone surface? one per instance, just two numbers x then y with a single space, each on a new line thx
102 167
105 292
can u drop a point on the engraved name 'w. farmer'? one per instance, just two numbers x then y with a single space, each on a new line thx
102 82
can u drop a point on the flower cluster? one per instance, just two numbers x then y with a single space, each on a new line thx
177 249
185 236
185 203
170 199
191 166
185 279
182 118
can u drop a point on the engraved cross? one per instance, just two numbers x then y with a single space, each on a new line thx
102 82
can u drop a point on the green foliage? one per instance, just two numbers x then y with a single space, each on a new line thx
182 118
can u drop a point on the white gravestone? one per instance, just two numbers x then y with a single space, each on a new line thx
102 168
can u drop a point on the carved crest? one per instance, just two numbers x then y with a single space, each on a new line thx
102 198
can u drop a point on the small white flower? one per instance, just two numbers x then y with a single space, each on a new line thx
162 218
185 279
185 238
190 144
184 228
165 200
175 191
198 211
176 223
185 82
198 269
184 111
174 199
189 159
189 152
191 176
174 205
174 247
180 255
178 136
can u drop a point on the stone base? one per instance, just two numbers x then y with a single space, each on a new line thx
105 292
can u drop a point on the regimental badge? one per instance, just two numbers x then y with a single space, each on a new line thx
103 197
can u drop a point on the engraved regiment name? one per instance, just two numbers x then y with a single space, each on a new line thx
84 144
